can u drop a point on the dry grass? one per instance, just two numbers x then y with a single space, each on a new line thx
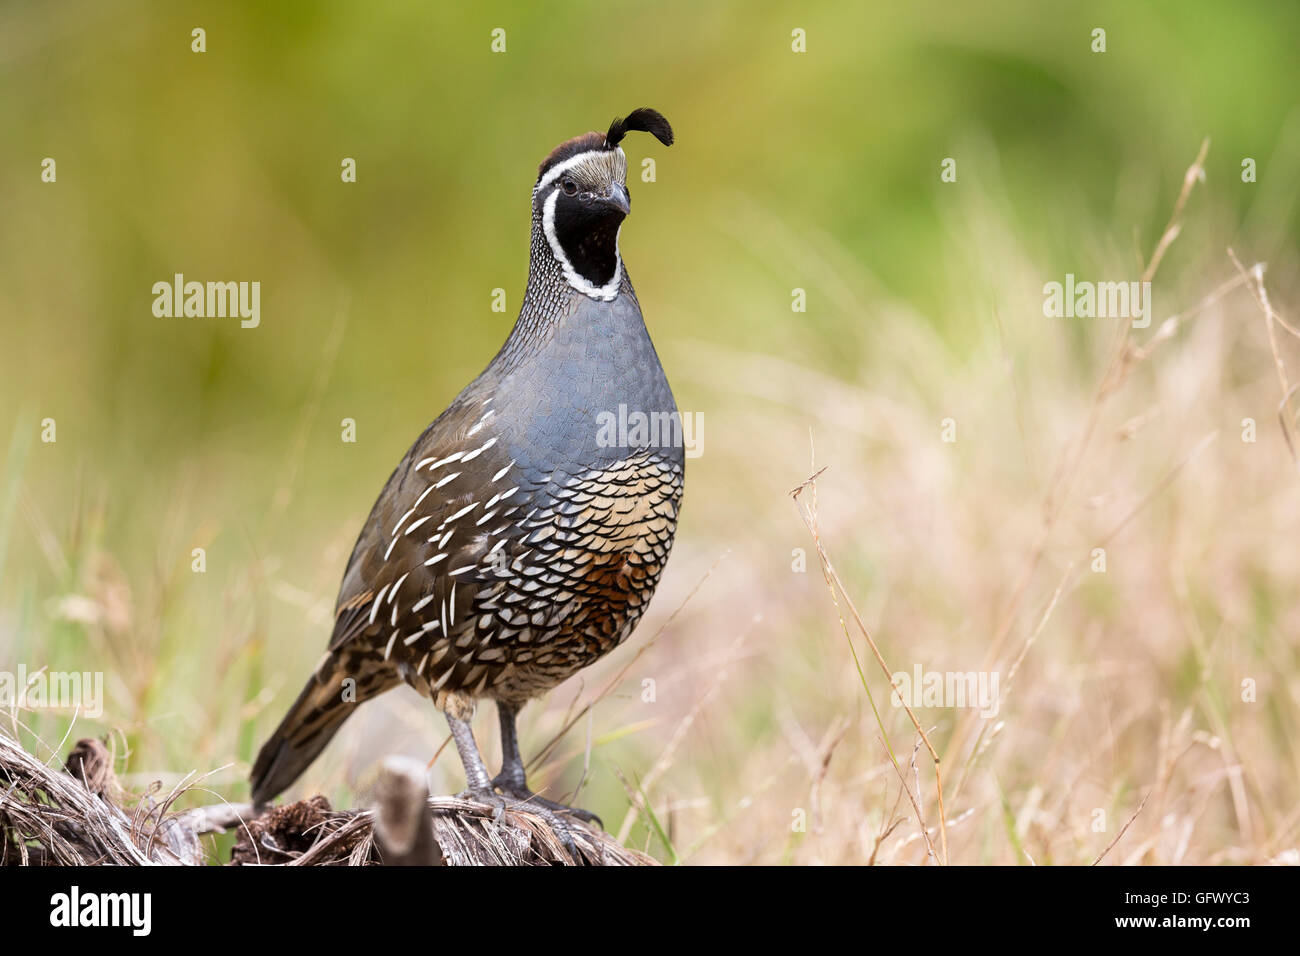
78 815
1147 712
57 817
311 833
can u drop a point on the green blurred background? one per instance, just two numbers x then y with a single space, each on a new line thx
788 170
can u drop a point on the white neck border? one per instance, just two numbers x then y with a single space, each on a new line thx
603 293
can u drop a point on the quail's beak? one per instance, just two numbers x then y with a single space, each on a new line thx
617 198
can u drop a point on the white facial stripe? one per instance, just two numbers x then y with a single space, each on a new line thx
556 171
604 293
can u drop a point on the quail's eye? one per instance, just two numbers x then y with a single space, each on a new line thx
569 186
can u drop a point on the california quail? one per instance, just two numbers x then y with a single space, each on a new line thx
518 541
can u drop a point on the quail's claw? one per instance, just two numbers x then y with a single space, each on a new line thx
528 798
499 803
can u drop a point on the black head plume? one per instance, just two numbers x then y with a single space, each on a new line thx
646 120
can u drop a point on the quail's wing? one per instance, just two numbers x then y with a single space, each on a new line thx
441 512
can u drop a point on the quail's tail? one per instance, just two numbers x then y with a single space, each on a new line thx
315 717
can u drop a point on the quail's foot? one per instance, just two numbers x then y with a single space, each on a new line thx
525 796
501 802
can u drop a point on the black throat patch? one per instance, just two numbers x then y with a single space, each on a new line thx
588 234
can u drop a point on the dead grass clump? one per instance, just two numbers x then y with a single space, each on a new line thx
79 815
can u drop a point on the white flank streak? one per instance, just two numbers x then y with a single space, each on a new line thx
496 547
451 613
389 649
502 472
468 567
480 449
479 424
430 626
421 604
440 462
434 560
486 518
393 593
411 640
452 477
390 547
415 524
459 514
398 527
379 599
443 543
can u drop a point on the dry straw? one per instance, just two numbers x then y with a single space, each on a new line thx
77 815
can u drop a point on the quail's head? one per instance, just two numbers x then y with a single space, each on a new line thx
581 199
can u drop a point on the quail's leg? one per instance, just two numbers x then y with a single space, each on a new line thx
476 775
511 779
480 788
